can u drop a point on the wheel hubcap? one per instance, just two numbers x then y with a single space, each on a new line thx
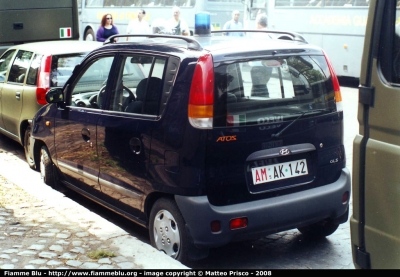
27 145
166 233
42 168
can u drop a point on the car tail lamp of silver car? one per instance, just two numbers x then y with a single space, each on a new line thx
43 80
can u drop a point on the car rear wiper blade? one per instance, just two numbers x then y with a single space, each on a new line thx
277 135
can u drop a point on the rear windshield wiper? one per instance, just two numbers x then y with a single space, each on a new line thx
277 135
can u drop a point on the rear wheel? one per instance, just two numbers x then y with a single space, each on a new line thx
320 229
167 230
48 172
27 143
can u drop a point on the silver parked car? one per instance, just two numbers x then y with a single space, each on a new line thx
27 72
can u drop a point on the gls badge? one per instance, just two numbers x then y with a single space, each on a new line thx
284 152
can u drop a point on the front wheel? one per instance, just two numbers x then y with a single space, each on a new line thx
320 229
27 143
167 230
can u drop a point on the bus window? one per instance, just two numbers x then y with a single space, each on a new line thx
336 28
112 3
131 3
124 11
94 3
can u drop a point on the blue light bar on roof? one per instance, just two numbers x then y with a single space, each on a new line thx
202 24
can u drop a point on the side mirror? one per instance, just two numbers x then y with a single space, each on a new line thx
55 95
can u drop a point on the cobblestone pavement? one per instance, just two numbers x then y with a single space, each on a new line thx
59 234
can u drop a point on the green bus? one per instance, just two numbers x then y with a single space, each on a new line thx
25 21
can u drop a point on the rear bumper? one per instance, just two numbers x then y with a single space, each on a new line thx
264 216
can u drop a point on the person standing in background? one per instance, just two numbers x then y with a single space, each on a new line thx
261 24
106 29
138 25
234 24
177 24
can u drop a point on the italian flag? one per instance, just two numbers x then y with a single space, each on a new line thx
236 120
65 32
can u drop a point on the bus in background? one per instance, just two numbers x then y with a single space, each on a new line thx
37 20
375 222
338 26
122 11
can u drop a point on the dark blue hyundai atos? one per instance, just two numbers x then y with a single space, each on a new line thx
203 140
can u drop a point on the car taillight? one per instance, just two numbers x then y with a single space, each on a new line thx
43 80
336 86
201 98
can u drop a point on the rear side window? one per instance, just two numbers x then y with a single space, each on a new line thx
33 70
272 90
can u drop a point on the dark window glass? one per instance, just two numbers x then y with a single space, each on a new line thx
271 90
90 88
33 70
20 67
5 62
62 67
396 50
139 85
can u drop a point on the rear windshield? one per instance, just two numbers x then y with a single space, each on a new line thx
62 67
272 90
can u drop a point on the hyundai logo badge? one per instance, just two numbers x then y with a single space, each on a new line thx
284 152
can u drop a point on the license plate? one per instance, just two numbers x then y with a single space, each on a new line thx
276 172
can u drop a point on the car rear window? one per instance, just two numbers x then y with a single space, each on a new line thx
271 90
62 67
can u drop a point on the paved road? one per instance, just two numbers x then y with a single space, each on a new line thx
41 228
64 230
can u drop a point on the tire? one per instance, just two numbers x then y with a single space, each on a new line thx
48 172
27 143
320 229
167 230
89 35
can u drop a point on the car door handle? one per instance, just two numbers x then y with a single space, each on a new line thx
136 145
18 95
86 134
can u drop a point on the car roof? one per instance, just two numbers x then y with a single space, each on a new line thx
221 47
59 46
241 44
